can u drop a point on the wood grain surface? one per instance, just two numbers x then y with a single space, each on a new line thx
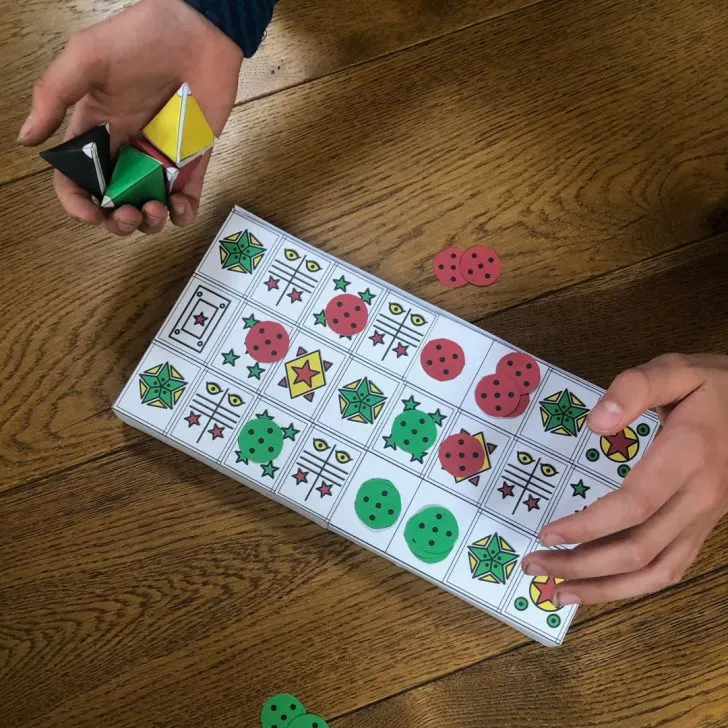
585 141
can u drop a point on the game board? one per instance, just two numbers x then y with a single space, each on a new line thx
364 409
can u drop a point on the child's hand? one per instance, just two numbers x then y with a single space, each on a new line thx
122 71
643 537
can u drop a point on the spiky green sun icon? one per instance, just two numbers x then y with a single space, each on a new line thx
161 386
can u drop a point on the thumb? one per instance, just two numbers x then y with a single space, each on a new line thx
663 381
66 80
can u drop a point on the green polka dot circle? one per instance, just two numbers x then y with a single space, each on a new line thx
260 440
431 534
309 721
553 620
521 604
592 455
378 503
643 429
281 711
414 432
623 471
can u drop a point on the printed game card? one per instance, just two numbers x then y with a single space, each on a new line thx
428 441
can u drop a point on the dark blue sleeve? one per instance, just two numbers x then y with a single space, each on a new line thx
244 21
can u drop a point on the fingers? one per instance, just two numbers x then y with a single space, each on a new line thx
124 220
154 217
627 551
77 202
183 205
68 77
667 569
662 381
666 467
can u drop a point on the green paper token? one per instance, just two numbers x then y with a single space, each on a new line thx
309 721
136 180
281 711
431 534
378 503
414 432
260 440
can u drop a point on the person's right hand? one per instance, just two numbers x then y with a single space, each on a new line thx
122 71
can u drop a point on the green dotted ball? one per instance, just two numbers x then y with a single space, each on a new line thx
309 721
281 711
553 620
521 604
260 440
432 533
592 455
414 432
378 503
643 429
623 471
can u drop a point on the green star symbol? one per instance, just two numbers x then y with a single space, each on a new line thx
255 371
240 458
250 321
230 357
269 469
417 458
580 489
492 559
389 442
241 252
263 416
320 318
361 401
563 413
410 403
366 296
437 417
290 432
161 386
341 284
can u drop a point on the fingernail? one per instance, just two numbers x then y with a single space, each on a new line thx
179 208
564 598
534 569
551 539
606 415
126 227
26 129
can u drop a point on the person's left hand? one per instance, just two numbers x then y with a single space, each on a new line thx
643 537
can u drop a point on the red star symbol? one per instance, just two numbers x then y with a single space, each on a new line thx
532 503
620 444
216 431
400 350
305 374
506 490
200 319
377 338
546 590
324 489
272 283
301 476
192 418
295 295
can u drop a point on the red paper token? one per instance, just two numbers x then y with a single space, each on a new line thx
497 395
346 314
462 455
480 265
522 406
523 368
446 265
442 359
267 342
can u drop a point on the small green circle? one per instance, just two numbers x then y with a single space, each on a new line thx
309 721
432 533
378 503
414 432
643 429
260 440
553 620
623 471
281 711
592 455
521 604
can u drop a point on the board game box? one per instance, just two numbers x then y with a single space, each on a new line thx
413 433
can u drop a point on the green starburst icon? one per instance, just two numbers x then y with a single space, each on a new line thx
492 559
367 296
254 371
361 401
241 252
249 321
229 357
563 413
579 488
341 284
161 386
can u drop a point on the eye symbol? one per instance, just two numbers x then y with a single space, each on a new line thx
291 254
395 308
525 458
213 388
417 320
343 457
548 470
320 445
235 400
312 266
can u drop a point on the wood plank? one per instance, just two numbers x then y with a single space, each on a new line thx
145 589
672 671
307 39
569 160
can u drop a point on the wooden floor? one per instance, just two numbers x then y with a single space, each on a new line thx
586 141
